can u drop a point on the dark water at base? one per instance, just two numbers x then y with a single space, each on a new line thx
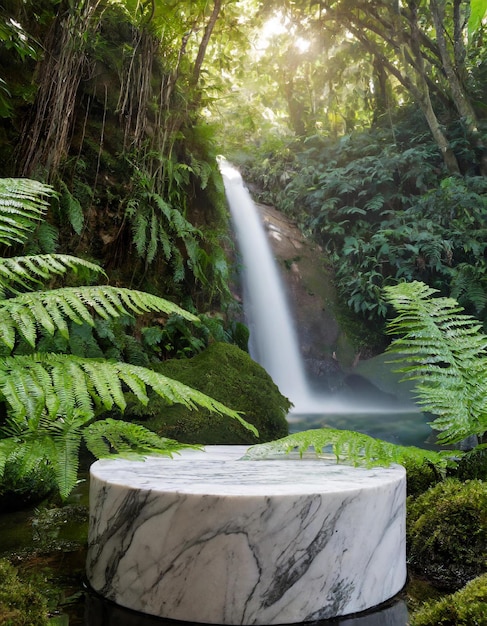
99 612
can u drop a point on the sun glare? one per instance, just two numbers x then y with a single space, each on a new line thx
276 25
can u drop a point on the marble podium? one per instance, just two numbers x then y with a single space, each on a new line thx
210 537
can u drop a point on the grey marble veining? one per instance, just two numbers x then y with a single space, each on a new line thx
207 537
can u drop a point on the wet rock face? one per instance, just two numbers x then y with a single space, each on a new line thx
311 296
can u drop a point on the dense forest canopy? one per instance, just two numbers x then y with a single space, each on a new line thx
365 121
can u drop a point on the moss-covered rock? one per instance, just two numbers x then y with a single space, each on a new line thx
228 374
20 603
420 476
447 532
467 607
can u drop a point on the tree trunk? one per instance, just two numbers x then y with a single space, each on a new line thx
204 42
458 95
413 78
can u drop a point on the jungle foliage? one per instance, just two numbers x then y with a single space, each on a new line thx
52 400
371 134
102 99
382 209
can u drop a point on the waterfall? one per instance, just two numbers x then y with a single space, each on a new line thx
273 342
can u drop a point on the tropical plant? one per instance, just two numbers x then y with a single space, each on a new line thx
444 352
350 447
377 203
53 400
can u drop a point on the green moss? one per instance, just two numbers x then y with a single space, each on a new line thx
447 532
473 465
466 607
19 488
229 375
420 476
20 603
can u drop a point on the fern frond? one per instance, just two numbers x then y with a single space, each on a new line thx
29 272
347 447
71 206
23 203
29 312
105 437
444 352
66 435
8 447
30 385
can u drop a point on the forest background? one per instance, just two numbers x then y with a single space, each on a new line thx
364 122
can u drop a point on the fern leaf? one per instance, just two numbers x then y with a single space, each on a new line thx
8 447
151 251
23 203
27 383
445 353
47 310
72 208
66 435
29 272
105 437
139 229
347 447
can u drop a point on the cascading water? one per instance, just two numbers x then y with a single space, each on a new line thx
273 343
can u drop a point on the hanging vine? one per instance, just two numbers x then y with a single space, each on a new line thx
46 135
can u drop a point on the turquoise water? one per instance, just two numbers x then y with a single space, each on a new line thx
408 428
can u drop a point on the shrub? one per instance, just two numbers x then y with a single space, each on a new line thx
447 532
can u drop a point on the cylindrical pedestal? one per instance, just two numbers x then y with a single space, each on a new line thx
206 537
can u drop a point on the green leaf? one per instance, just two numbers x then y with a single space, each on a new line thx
478 9
443 351
347 447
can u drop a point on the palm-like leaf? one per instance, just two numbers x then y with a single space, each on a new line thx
445 353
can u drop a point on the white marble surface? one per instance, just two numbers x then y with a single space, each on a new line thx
207 537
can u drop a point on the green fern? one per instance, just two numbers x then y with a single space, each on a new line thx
445 353
348 447
71 208
105 437
23 273
469 286
23 203
53 399
48 310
